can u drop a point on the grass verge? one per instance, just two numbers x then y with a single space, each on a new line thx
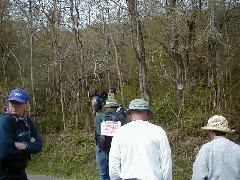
71 155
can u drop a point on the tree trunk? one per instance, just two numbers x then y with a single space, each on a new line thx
175 55
31 57
75 18
214 59
118 65
138 47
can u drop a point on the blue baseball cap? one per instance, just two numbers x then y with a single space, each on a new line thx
19 95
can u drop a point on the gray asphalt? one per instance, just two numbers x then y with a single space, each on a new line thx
41 177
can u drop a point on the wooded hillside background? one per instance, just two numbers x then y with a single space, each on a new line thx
180 55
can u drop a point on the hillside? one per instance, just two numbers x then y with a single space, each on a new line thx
71 154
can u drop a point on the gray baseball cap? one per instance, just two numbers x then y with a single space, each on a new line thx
138 104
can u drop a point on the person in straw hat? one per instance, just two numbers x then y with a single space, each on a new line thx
219 158
140 149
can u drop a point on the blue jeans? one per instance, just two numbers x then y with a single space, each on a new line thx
102 158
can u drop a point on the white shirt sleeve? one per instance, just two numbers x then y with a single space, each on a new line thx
114 160
200 169
166 158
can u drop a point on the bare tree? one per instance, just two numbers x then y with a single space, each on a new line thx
76 19
113 31
214 60
138 46
30 22
54 18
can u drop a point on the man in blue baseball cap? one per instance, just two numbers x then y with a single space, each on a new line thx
19 137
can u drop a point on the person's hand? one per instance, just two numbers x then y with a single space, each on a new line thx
20 146
23 146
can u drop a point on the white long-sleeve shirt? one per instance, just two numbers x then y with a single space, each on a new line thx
140 150
218 159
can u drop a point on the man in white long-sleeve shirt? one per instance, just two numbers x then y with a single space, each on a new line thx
220 158
140 150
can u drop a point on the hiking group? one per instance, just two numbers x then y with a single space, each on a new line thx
128 146
136 149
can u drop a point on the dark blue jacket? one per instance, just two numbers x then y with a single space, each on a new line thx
13 130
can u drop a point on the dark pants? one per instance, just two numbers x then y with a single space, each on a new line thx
13 175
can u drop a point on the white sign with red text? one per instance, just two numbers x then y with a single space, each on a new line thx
108 128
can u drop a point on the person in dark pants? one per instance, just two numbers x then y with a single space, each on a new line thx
19 138
105 124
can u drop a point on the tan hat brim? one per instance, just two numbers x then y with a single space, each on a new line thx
217 129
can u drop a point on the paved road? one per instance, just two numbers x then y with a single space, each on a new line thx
41 177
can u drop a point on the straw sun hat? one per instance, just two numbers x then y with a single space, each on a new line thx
218 123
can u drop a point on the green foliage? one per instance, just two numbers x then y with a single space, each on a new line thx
174 43
49 124
70 155
185 120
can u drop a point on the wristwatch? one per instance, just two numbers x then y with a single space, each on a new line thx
25 143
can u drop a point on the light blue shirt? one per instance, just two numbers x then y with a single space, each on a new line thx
140 150
218 159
